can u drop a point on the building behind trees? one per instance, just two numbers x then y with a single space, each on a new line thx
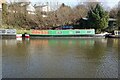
26 15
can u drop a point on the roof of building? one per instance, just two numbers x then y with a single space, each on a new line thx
30 8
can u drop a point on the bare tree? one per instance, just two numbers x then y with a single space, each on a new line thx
19 16
113 12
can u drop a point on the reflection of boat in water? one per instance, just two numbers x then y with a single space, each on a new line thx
56 42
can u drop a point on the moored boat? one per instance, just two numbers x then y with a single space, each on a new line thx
115 35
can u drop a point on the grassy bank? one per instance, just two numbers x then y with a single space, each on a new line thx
20 31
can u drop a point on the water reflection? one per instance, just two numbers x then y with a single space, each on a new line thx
46 58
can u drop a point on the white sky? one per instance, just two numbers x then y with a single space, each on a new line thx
109 3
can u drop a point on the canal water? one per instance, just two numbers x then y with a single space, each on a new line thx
60 58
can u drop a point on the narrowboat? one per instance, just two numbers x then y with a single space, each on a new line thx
115 35
63 33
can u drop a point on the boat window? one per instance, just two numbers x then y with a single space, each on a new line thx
77 32
59 32
88 31
118 32
2 31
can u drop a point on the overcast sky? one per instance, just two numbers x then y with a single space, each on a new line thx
109 3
